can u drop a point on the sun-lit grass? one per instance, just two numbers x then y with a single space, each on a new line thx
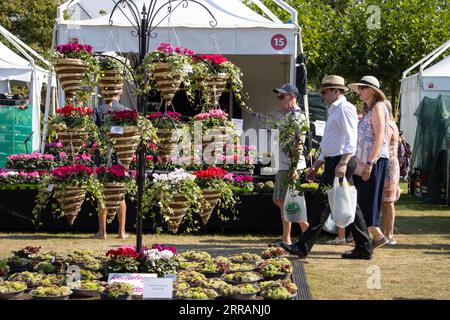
417 267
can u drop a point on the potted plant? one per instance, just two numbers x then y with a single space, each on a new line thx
243 184
216 190
73 125
86 259
177 196
210 283
11 289
278 290
193 255
70 184
190 277
111 72
73 64
122 129
18 264
246 291
166 124
114 181
215 129
168 68
212 269
159 260
274 252
246 257
51 293
242 267
274 269
197 293
123 260
87 288
242 277
117 291
31 162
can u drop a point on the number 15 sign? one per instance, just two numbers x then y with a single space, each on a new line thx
278 42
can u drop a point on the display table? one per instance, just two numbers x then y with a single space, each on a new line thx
256 213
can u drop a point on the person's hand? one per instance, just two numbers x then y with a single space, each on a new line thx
366 172
340 170
294 175
311 174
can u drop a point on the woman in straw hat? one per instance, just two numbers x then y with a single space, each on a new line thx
372 154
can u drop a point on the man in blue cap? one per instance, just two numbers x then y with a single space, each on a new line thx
288 95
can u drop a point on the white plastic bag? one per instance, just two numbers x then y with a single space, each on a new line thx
294 206
342 200
330 226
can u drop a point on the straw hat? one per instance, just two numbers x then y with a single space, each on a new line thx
329 82
368 81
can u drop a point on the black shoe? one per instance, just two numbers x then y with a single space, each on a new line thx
353 254
293 249
275 243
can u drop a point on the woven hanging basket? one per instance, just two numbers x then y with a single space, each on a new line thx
110 84
72 141
179 207
167 84
125 144
219 82
70 197
215 140
114 193
166 145
71 73
212 196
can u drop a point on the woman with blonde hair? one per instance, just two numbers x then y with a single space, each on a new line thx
372 154
391 190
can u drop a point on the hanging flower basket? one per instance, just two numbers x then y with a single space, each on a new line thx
71 73
72 141
70 197
166 124
216 85
126 144
114 194
167 81
212 196
179 207
215 138
110 84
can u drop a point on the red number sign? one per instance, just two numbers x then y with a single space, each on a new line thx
278 42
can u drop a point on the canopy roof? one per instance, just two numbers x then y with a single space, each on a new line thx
238 29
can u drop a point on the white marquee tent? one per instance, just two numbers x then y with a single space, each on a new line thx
428 82
265 49
15 68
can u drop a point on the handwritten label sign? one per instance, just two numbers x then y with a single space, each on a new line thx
117 130
159 288
278 42
135 279
320 127
238 125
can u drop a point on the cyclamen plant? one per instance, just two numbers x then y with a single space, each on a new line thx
32 161
214 118
115 173
215 178
71 117
164 187
166 120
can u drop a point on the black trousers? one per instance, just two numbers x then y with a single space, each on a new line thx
319 216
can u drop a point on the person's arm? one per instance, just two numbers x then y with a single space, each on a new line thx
379 126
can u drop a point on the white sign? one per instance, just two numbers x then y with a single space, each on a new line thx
50 188
238 125
159 288
135 279
320 127
117 130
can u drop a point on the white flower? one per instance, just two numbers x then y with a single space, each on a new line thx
152 255
175 177
166 254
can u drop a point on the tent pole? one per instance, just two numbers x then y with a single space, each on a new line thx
46 112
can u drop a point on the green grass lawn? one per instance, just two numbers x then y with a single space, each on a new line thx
417 267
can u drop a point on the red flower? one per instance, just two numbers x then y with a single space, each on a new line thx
71 111
124 115
214 58
73 47
211 173
65 172
123 252
176 116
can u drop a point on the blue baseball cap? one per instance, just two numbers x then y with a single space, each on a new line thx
288 89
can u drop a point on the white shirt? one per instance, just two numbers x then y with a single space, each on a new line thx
341 130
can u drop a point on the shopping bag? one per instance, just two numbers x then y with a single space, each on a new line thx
294 206
330 226
342 200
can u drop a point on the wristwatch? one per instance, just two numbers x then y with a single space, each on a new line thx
370 163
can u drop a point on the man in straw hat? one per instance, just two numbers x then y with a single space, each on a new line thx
337 149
